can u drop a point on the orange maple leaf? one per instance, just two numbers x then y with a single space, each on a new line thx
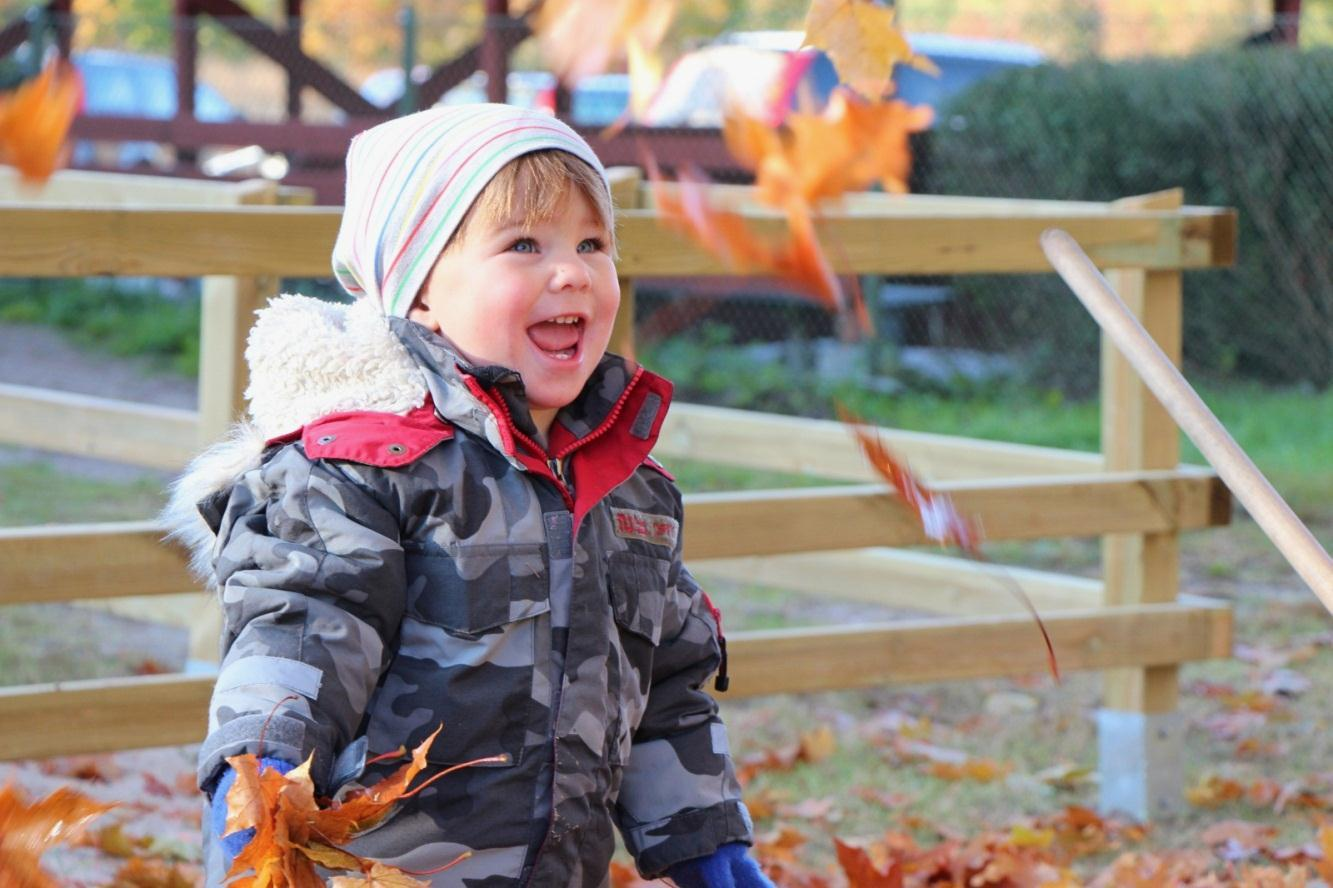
150 873
939 518
800 260
863 870
864 42
35 121
28 830
847 146
295 831
583 37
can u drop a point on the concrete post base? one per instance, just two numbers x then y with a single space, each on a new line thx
1140 759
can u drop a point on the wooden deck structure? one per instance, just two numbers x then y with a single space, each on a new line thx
1132 623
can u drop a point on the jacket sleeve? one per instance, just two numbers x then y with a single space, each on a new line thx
310 571
679 797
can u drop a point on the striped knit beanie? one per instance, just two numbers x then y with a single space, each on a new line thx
411 180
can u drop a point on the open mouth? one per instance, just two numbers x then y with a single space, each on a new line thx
558 338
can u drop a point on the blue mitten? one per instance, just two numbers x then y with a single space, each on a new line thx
730 866
235 843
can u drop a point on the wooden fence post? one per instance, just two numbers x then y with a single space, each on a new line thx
625 195
1140 731
229 304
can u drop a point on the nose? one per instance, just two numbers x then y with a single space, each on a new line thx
570 273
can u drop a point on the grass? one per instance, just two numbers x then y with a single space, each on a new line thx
35 492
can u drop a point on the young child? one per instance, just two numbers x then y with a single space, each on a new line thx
443 512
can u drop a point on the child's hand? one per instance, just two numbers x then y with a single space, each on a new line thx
727 867
235 843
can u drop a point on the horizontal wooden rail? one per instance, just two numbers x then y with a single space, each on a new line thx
803 660
825 448
85 425
68 562
909 580
62 563
129 713
296 241
722 525
103 715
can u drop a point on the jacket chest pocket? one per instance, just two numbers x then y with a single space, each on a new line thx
639 594
467 655
478 589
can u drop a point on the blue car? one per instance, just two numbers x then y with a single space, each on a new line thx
122 84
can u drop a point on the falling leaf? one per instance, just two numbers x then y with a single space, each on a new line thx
940 520
847 146
35 121
864 42
28 830
800 261
583 37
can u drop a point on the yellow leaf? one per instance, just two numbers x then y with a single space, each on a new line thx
818 744
864 42
1027 837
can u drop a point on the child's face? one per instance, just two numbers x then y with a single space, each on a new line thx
504 294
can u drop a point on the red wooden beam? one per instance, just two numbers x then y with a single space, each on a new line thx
235 18
294 83
186 35
494 52
1287 21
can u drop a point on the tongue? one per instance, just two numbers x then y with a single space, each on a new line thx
554 337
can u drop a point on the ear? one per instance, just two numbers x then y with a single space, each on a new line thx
420 313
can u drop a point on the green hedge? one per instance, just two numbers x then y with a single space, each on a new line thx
1250 129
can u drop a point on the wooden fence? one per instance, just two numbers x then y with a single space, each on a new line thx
833 541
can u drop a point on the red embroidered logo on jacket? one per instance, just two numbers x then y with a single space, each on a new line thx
634 525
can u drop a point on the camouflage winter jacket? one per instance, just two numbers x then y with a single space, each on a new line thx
393 553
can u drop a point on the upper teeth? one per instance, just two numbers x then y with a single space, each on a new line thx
565 319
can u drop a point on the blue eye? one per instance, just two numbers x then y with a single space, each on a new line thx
524 245
592 245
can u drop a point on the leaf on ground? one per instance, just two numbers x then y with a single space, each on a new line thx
780 844
864 42
818 744
979 770
29 829
812 809
113 841
147 872
93 768
35 121
623 876
1239 834
1212 790
868 866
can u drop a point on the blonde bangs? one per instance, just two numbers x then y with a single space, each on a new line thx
532 188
